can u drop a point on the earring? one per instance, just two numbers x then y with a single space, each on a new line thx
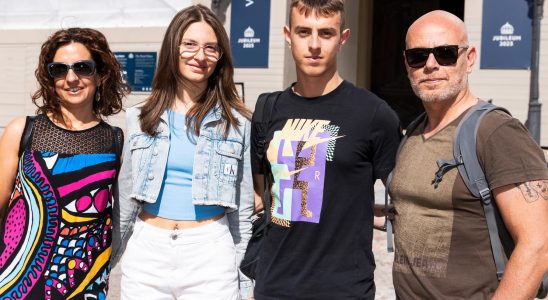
97 95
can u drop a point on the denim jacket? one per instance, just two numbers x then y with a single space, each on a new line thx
221 176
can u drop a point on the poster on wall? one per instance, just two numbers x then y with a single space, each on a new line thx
506 35
249 33
138 69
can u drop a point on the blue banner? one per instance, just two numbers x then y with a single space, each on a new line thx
506 35
138 69
249 33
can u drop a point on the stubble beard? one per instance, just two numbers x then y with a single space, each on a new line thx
449 93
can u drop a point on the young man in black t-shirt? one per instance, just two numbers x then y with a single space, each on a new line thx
328 142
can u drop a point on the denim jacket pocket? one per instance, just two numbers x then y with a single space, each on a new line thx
230 157
141 150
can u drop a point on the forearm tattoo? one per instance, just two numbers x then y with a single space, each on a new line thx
534 190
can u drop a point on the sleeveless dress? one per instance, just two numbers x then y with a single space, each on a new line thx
55 239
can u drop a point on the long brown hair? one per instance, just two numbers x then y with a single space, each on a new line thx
111 85
220 85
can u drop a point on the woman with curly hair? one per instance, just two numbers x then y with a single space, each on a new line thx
59 170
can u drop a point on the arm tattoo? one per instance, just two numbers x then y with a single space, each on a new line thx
534 190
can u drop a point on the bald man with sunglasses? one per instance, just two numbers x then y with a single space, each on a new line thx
442 242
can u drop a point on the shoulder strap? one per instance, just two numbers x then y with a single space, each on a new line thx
464 151
262 117
265 105
118 142
464 147
388 223
27 133
410 128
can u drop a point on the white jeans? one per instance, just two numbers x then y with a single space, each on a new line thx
195 263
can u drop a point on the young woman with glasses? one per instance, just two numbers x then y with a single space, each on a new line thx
185 185
59 169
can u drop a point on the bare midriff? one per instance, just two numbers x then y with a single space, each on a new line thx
175 224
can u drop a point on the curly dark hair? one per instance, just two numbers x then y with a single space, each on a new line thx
110 84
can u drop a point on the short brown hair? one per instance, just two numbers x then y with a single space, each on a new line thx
111 84
323 8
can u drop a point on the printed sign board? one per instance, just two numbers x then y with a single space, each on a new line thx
506 35
249 33
138 69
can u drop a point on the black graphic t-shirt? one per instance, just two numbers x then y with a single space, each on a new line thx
325 154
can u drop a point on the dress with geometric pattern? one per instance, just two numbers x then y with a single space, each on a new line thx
55 239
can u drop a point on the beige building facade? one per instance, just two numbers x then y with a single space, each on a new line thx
372 58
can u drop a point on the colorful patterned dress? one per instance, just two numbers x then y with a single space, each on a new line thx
55 239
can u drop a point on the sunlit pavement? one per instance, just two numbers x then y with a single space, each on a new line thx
383 259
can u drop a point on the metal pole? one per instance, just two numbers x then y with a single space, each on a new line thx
533 116
216 6
219 8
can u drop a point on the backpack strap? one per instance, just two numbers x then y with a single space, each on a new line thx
27 134
262 118
388 223
465 151
118 142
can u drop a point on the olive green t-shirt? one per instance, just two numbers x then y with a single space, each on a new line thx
441 236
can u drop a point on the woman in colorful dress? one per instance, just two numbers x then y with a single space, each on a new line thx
185 184
59 170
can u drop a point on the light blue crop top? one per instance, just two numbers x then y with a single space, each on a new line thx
175 199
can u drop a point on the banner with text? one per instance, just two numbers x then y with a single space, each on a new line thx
138 69
249 33
506 35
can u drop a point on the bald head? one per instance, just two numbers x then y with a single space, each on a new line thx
439 76
438 22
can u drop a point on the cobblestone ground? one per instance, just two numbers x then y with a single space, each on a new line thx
383 259
114 284
383 273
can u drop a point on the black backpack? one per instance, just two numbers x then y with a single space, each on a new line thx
466 160
261 121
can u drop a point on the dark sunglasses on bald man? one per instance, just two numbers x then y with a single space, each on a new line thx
445 55
81 68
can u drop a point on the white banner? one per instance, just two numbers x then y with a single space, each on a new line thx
44 14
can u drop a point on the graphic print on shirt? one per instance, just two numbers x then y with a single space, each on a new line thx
57 235
298 154
426 215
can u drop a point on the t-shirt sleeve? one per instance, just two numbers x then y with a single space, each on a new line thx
507 152
386 135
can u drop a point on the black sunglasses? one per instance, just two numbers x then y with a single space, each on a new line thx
444 55
81 68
